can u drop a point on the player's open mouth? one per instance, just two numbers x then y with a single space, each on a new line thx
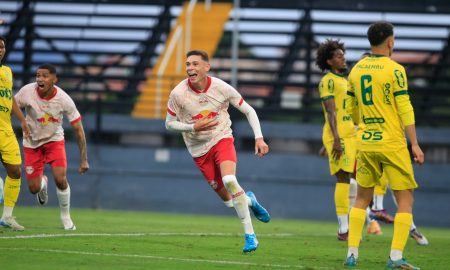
192 76
41 86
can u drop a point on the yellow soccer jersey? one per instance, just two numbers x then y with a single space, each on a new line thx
6 95
334 86
375 82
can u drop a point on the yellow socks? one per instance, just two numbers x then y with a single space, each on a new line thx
357 219
402 224
341 198
11 191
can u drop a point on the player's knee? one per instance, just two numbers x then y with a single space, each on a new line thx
61 183
231 183
34 186
13 172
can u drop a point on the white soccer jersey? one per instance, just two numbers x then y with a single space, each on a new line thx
45 116
190 105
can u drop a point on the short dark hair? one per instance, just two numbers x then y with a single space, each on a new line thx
3 38
326 51
378 32
201 53
51 68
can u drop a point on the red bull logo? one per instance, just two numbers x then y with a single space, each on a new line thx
203 114
46 119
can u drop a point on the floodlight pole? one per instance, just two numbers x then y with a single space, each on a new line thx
235 44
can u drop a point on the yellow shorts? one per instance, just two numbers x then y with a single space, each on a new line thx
9 148
347 160
395 166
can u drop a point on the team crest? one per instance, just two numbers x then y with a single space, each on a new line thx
29 169
213 184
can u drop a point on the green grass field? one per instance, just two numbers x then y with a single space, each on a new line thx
142 240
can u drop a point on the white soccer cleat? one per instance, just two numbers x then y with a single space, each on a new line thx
68 224
421 240
42 196
10 222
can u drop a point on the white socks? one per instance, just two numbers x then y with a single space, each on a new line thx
64 201
378 202
352 192
240 202
343 223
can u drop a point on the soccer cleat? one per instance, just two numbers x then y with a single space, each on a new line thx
342 236
1 190
350 261
68 224
400 264
42 196
381 215
421 240
258 210
251 243
374 228
10 222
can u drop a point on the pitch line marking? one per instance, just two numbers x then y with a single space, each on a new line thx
133 235
162 258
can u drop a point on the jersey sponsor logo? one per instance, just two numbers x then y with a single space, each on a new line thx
373 120
330 85
346 118
400 78
203 101
203 114
29 169
47 119
4 109
6 93
387 94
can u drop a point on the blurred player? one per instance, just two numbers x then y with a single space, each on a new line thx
45 105
339 134
9 147
198 108
380 86
378 212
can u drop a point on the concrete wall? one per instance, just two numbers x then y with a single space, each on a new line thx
289 185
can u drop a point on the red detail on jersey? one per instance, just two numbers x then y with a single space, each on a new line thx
207 114
171 112
52 119
41 120
237 194
55 90
208 84
76 120
241 101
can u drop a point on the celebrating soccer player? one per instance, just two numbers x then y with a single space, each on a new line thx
198 108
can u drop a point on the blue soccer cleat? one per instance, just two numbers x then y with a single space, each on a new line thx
400 264
258 210
350 261
1 190
251 243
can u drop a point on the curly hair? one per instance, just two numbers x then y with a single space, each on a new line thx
378 32
326 51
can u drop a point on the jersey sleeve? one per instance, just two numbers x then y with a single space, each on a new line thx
172 105
326 88
234 97
20 97
70 110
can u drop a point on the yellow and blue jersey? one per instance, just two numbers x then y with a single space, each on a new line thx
6 96
378 86
334 86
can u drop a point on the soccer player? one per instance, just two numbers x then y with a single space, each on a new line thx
339 134
198 108
380 87
46 104
9 147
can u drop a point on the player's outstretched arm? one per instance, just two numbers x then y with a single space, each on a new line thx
81 141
